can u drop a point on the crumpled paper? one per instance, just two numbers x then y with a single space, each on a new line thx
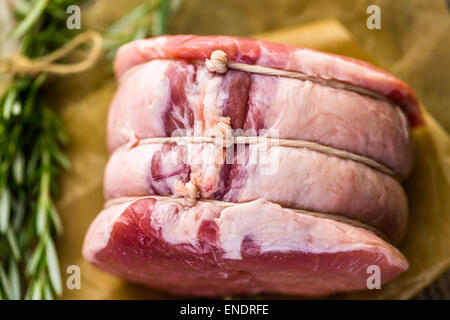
83 101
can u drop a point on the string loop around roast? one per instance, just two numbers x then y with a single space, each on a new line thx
313 146
218 63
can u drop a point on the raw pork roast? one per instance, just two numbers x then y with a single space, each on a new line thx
204 218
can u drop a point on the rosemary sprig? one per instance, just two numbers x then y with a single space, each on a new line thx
161 17
31 137
31 157
148 19
31 140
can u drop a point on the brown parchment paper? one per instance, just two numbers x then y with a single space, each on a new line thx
83 101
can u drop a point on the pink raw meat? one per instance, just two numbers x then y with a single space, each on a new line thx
255 247
275 55
274 219
321 183
162 96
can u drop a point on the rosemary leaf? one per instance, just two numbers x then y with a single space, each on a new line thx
30 20
19 213
41 218
55 218
130 18
53 266
14 279
5 208
48 293
161 17
36 293
4 281
16 108
18 168
22 7
13 244
9 102
33 264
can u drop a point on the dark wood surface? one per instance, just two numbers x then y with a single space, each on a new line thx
439 289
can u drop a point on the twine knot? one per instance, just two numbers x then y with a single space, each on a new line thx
223 128
217 62
189 191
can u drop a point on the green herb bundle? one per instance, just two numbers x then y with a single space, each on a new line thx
31 140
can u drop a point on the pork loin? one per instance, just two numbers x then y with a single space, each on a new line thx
274 218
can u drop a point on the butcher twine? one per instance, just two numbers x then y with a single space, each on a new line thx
190 190
19 64
276 142
218 63
224 204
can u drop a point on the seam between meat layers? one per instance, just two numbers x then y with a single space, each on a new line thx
225 204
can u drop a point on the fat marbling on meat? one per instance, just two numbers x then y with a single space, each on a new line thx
161 97
321 183
254 247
